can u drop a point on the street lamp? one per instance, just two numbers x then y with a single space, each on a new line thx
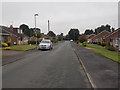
35 27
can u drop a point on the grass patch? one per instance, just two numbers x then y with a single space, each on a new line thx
113 55
22 47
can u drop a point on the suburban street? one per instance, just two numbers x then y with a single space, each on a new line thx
57 68
60 44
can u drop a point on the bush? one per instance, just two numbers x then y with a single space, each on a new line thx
55 41
9 43
84 44
4 44
98 43
82 40
34 42
7 48
109 47
103 44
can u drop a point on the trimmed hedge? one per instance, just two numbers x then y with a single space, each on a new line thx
109 47
34 42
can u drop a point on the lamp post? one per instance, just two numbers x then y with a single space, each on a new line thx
35 27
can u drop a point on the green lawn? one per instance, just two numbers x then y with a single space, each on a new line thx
104 52
23 47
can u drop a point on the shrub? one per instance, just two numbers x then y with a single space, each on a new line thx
109 47
103 44
4 44
55 41
84 44
9 43
34 42
98 43
7 48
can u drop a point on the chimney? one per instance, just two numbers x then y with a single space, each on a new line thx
11 28
113 29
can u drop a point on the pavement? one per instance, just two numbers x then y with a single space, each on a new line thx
101 71
56 68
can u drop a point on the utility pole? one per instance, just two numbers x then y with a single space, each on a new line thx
35 27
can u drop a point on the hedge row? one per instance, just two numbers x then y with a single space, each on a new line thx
106 45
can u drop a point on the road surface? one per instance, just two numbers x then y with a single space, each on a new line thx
57 68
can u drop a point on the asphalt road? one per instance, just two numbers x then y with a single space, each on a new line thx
57 68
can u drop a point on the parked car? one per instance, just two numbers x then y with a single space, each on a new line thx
45 44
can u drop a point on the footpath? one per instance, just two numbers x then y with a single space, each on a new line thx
102 72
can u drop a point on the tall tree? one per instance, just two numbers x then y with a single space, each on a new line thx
102 28
88 32
73 34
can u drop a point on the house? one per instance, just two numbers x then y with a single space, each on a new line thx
89 37
113 38
46 37
99 37
6 35
14 35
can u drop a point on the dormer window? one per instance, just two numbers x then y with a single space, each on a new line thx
19 31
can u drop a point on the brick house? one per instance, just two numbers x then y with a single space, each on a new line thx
89 37
14 35
6 35
113 38
99 37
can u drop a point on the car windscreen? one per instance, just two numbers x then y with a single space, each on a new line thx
45 41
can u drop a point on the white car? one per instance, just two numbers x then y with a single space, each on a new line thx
45 44
71 40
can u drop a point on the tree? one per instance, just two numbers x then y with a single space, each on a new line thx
25 29
73 34
60 37
102 28
51 33
82 38
88 32
67 37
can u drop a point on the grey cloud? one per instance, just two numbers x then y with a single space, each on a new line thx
62 16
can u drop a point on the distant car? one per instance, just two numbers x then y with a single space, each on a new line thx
45 44
71 40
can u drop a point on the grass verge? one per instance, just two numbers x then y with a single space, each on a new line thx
113 55
22 47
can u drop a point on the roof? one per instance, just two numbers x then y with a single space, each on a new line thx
101 33
115 33
6 30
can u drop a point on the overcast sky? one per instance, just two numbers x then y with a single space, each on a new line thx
63 16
